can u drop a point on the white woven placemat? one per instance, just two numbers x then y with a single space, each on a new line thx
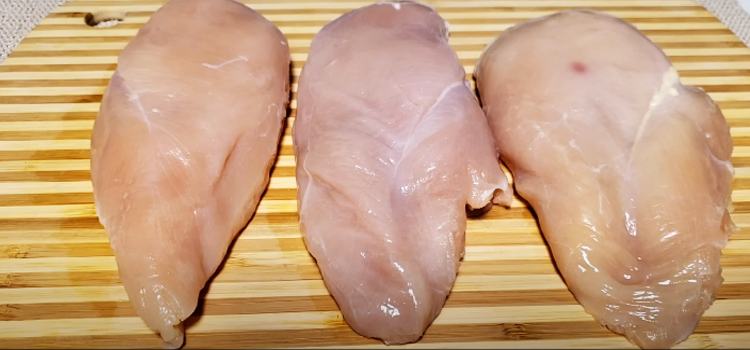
18 18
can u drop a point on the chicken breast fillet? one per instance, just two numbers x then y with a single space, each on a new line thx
628 170
391 145
188 130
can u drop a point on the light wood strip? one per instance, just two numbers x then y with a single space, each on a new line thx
47 125
454 28
673 52
86 187
257 230
473 254
303 288
737 113
440 5
44 165
84 164
106 74
288 182
98 90
49 107
462 54
45 145
87 210
305 44
317 320
20 238
134 325
44 187
76 75
491 231
52 91
489 14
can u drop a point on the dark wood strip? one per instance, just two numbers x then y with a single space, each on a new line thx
83 67
47 224
71 250
8 100
443 10
63 154
110 67
46 199
281 193
341 334
53 176
715 73
256 273
46 116
42 250
733 104
149 341
286 150
28 135
67 53
249 306
80 39
98 97
725 88
54 83
85 175
741 207
701 45
741 141
321 303
29 251
498 212
710 58
305 49
309 36
87 198
741 183
738 122
259 273
738 162
321 23
289 272
284 171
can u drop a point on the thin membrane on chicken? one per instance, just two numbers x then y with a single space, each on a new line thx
181 150
628 170
391 145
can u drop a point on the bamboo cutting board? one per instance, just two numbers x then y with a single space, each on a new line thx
58 278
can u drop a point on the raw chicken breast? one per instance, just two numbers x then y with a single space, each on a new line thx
628 171
391 145
181 150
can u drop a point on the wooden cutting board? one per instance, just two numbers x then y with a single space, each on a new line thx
58 279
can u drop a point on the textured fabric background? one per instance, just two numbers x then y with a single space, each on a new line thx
18 18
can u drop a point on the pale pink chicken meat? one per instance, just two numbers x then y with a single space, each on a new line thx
391 145
628 170
181 150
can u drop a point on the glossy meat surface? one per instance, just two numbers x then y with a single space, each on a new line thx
628 170
182 147
391 145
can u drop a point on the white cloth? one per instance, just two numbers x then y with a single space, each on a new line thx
19 17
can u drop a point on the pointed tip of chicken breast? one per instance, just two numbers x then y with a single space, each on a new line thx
173 336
